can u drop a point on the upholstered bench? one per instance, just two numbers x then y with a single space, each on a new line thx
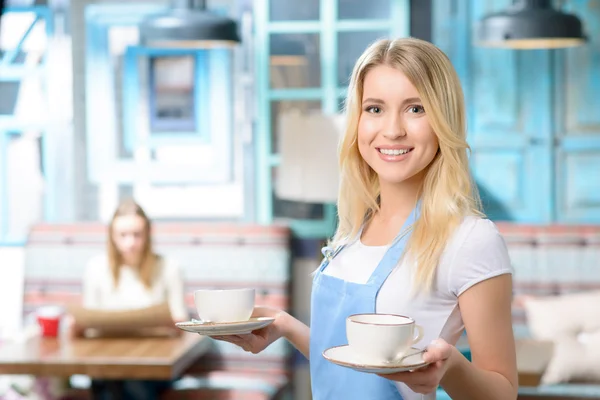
551 260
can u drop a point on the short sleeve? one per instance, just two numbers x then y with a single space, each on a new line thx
482 255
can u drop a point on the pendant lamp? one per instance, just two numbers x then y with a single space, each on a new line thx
187 24
530 24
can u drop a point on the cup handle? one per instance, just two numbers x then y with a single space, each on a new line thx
418 334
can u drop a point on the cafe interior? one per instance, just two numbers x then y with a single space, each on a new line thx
221 120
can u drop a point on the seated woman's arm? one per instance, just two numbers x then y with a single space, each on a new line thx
176 292
90 297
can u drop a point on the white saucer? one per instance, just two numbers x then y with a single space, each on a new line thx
343 356
225 328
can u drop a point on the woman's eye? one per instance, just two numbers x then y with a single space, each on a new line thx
374 109
416 109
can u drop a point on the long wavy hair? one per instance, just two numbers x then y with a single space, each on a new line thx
149 260
448 192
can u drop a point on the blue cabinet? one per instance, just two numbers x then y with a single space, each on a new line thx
533 116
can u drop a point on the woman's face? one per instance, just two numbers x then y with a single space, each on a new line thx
394 134
129 236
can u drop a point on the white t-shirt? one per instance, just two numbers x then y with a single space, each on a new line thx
475 252
99 291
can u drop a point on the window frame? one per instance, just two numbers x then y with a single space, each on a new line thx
327 26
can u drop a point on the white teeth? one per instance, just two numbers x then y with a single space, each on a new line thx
390 152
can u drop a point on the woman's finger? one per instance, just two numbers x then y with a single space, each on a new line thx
438 350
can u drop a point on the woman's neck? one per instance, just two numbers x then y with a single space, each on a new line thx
398 200
133 262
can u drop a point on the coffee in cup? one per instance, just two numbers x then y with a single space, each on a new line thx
381 338
224 305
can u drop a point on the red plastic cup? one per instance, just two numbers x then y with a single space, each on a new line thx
49 320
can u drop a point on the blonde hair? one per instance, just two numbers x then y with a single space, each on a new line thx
149 260
448 192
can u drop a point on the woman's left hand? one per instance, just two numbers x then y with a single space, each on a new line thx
427 379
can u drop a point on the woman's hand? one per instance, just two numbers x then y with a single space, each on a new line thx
258 340
427 379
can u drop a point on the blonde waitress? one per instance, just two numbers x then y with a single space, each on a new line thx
404 169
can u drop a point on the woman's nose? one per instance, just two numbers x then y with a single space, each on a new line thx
394 128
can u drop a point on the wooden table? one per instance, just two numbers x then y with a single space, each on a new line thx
107 358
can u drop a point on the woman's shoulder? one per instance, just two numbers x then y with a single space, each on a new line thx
476 227
97 267
475 252
475 236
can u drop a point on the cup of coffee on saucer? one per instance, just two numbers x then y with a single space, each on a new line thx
224 305
379 339
224 312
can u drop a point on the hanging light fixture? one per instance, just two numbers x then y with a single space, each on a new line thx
187 24
530 24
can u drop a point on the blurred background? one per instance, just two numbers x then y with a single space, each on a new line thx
229 142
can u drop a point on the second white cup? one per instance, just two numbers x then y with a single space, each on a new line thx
224 305
381 338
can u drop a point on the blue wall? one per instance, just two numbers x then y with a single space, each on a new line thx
534 117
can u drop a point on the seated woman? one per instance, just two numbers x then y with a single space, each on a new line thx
132 276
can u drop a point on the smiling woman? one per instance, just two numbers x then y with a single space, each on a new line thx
384 124
411 240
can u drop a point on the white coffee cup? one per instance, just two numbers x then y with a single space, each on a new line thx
224 305
381 338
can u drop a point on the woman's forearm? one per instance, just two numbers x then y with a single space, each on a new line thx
296 332
464 380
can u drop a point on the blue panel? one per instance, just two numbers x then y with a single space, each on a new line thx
131 96
577 106
508 96
533 117
202 92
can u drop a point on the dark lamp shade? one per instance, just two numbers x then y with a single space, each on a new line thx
530 25
188 28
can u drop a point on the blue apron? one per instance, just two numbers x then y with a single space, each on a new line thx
332 301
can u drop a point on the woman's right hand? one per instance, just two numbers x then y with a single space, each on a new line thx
258 340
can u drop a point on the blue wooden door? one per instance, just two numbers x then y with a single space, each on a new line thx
509 122
577 109
534 117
